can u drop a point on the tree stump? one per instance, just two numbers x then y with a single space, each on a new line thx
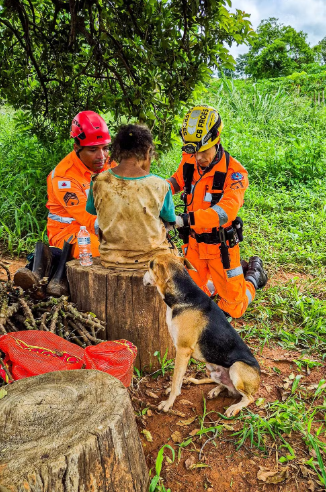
129 309
70 431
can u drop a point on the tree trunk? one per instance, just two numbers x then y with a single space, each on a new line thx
70 431
129 309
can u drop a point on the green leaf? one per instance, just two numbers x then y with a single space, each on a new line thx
3 393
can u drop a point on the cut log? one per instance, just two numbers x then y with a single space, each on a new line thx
129 309
70 431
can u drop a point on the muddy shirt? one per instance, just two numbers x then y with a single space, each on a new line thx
130 214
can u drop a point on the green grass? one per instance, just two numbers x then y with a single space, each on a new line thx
278 137
25 164
293 314
297 414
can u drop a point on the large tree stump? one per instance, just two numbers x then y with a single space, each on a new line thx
129 309
70 431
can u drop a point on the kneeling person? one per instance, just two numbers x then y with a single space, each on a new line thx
68 183
131 203
213 185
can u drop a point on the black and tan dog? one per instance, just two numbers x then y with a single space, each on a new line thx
200 329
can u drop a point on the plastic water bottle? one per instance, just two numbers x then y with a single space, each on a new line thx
84 245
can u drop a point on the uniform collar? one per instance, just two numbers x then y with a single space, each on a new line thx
218 164
81 166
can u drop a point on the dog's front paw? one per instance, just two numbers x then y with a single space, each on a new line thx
214 392
233 410
165 405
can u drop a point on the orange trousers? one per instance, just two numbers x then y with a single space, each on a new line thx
234 292
72 230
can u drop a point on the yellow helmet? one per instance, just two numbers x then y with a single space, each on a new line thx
201 129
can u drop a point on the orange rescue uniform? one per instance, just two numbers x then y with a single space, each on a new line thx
235 293
68 186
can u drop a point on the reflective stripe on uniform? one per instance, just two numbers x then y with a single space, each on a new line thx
234 272
222 215
58 218
248 294
87 192
53 173
208 197
174 183
96 226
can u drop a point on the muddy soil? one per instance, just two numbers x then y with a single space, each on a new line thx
12 264
226 468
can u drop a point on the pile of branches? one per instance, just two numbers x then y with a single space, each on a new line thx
19 311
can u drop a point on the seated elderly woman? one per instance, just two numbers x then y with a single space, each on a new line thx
131 203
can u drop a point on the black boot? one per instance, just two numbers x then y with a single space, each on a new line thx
256 273
58 285
28 278
244 265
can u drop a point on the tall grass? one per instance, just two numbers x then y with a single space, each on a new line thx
278 137
25 164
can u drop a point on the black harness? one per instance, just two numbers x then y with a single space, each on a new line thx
221 235
218 180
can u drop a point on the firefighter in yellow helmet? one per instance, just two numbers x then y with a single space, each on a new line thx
213 185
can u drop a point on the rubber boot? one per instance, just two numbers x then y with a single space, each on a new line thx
244 265
256 273
29 279
58 285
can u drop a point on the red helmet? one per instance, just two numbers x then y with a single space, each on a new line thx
90 129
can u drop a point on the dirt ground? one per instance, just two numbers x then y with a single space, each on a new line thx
12 264
218 465
227 469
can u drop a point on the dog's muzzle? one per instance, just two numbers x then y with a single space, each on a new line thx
147 279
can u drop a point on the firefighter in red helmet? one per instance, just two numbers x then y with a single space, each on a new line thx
68 183
68 186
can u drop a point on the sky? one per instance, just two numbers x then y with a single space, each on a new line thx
308 16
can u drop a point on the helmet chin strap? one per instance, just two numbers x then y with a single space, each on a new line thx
208 168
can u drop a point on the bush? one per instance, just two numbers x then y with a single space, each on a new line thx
25 164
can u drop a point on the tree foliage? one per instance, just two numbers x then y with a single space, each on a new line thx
241 64
136 58
277 51
322 48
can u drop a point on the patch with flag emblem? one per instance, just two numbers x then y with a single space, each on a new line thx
237 176
64 185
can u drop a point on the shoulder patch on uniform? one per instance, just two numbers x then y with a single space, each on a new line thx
64 185
237 185
71 199
237 176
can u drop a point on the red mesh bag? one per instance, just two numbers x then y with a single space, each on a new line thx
29 353
115 358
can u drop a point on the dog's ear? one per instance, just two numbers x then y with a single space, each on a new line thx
163 274
188 265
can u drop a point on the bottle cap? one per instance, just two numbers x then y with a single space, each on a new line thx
83 228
